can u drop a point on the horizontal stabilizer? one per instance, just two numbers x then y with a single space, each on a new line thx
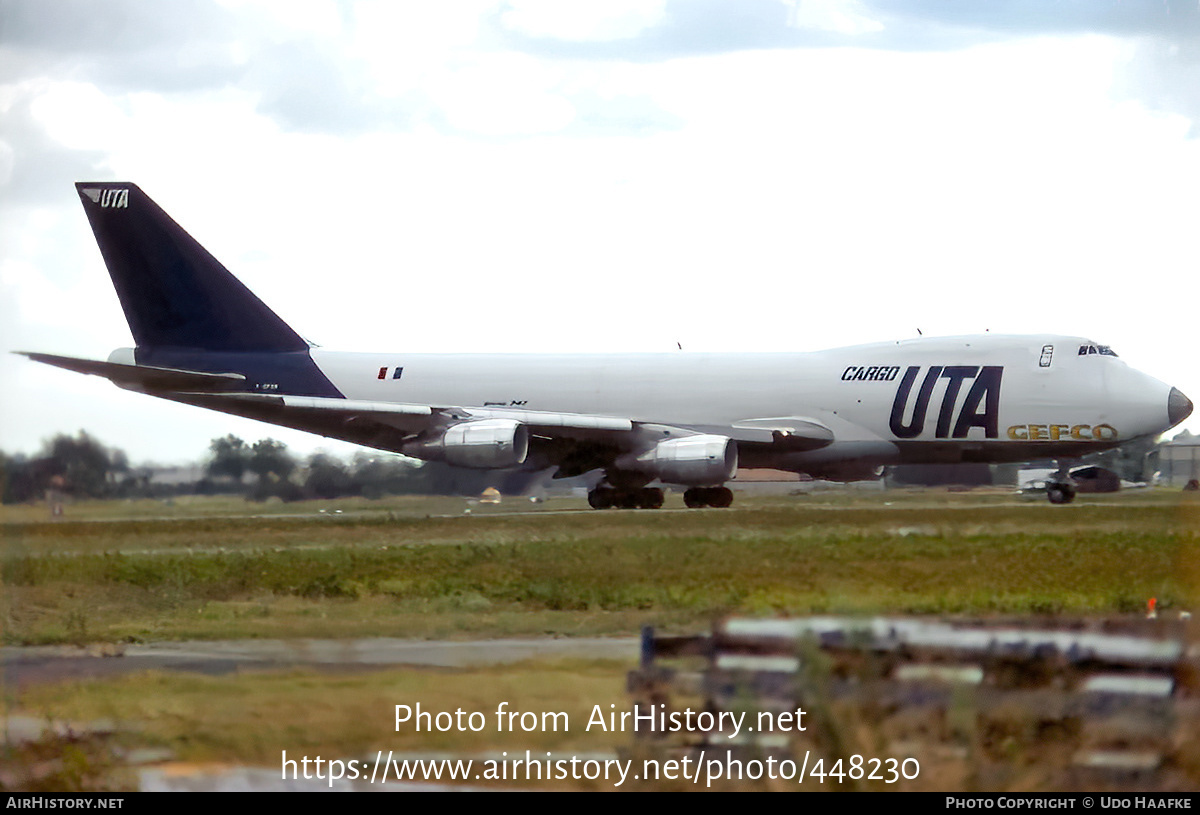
144 377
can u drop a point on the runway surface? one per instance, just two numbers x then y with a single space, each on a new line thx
52 663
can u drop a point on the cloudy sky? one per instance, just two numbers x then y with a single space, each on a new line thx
592 176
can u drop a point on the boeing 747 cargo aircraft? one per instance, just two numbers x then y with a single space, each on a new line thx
204 339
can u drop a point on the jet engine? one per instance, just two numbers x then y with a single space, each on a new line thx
699 460
486 444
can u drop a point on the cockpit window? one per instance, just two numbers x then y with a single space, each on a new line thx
1102 350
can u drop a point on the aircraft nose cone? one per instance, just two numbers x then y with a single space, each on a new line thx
1179 407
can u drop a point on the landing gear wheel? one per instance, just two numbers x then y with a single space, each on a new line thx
1060 493
650 498
601 498
608 497
720 497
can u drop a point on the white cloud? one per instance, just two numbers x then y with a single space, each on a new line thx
409 44
79 116
840 16
298 16
7 156
583 20
807 198
502 95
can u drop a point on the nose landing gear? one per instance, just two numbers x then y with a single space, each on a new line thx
1060 492
1060 489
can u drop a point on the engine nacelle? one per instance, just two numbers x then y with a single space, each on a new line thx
701 460
486 444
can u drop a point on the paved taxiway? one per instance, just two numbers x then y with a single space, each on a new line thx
51 663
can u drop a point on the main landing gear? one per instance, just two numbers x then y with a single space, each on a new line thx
627 490
652 498
719 497
644 498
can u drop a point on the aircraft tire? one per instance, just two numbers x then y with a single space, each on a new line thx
650 498
720 497
600 498
1060 493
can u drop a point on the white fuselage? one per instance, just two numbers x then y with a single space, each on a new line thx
1001 397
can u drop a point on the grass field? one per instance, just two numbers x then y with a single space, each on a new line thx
250 719
222 569
400 569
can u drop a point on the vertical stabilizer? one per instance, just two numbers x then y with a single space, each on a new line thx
174 293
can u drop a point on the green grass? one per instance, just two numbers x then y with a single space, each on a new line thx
376 572
222 568
253 717
203 718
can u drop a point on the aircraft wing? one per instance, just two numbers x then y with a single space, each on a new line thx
587 438
390 425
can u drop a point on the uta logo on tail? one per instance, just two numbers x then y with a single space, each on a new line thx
108 199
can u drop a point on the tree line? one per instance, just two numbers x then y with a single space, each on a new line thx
81 467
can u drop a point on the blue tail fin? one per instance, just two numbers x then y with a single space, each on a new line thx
174 293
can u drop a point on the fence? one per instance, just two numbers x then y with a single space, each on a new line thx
983 704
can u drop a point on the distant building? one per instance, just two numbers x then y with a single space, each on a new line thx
1179 460
172 475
